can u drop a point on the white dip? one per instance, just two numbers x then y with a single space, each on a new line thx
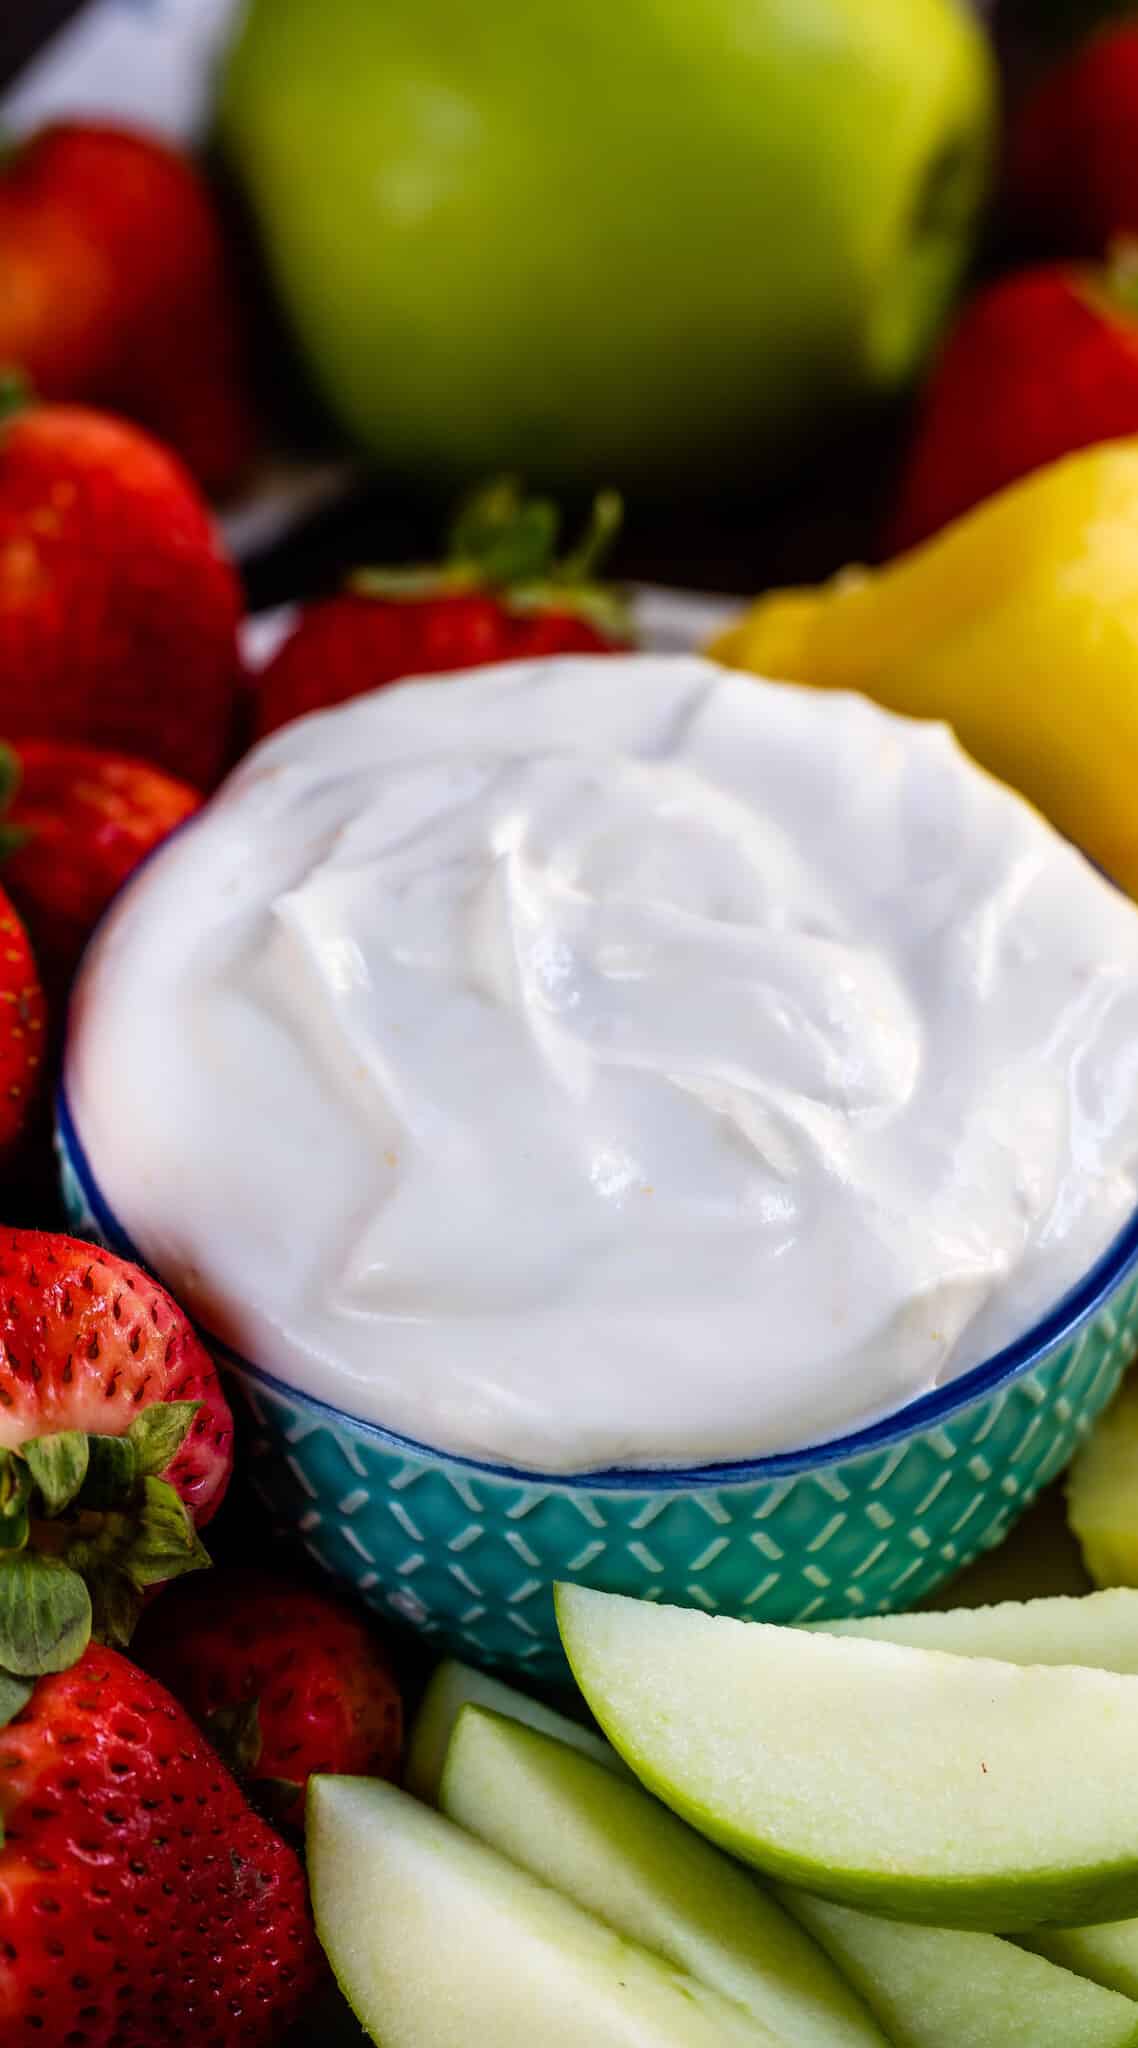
599 1062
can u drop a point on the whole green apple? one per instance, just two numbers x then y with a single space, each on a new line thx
649 240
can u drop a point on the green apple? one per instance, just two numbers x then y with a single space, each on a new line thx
439 1942
452 1687
634 241
1099 1630
932 1988
1107 1954
624 1857
1102 1492
958 1791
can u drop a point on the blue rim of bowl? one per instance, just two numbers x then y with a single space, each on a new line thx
1076 1308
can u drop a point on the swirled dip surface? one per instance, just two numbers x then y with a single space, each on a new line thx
614 1062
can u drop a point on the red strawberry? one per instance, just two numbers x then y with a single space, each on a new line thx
499 596
118 609
78 821
142 1901
285 1677
22 1027
115 1441
116 289
1073 147
1041 363
89 1342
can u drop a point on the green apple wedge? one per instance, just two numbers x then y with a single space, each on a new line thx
1108 1954
621 1855
1099 1630
452 1687
439 1942
954 1791
935 1988
1102 1492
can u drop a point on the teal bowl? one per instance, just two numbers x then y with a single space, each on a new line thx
468 1553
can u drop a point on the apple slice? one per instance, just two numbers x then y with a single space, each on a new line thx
1108 1954
1099 1630
956 1791
624 1857
454 1686
439 1942
932 1988
1102 1492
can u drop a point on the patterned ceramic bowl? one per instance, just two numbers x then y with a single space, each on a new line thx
468 1553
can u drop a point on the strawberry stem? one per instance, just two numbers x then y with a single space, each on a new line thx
1122 272
504 542
235 1733
11 774
606 518
15 393
503 536
12 837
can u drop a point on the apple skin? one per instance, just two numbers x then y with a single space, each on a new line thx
957 1792
643 241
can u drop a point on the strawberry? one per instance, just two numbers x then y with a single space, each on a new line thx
1041 363
118 609
22 1027
1072 153
116 1441
286 1678
142 1901
78 822
116 289
499 596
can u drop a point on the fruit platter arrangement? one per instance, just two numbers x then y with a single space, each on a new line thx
569 1147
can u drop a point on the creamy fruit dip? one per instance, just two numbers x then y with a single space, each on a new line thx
599 1062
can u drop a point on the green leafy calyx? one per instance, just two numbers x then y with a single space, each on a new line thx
12 837
15 392
45 1615
87 1526
235 1733
504 542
